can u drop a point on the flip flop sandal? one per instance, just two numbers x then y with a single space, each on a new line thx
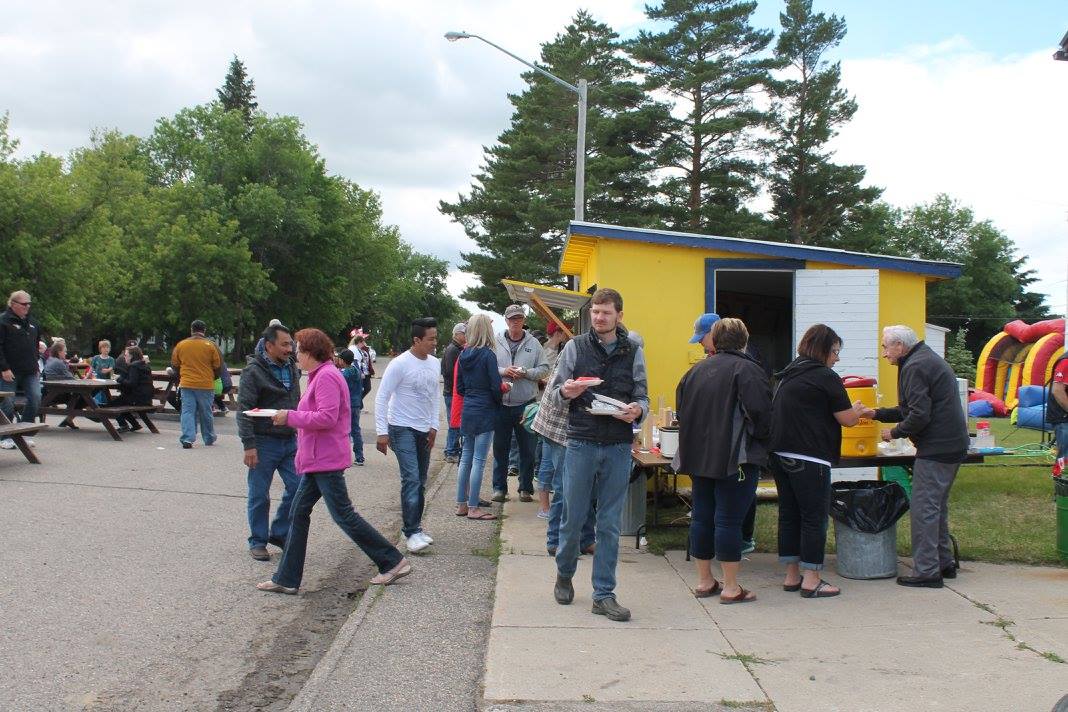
820 591
708 593
792 588
482 517
272 587
741 597
389 577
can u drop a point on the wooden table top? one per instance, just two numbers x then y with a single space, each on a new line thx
649 459
80 384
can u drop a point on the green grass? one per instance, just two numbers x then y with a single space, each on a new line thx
1001 511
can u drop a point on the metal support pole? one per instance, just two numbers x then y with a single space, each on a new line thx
580 154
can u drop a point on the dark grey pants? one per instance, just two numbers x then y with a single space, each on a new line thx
929 514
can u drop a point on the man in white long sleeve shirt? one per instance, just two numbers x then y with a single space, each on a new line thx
407 409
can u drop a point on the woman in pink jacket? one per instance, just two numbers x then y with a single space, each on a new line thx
322 421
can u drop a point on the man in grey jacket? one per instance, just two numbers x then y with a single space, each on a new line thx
272 381
520 361
928 413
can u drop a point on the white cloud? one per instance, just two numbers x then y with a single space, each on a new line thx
396 108
986 130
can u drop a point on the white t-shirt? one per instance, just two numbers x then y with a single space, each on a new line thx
409 394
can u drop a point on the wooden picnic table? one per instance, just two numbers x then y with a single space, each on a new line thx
19 431
78 396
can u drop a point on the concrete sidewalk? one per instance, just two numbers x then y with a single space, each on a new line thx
995 638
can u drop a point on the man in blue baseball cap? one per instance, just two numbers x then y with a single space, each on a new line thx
702 331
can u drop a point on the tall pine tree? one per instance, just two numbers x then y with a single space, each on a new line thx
519 206
813 197
711 61
238 92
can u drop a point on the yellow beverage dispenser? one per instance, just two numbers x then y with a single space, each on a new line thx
861 439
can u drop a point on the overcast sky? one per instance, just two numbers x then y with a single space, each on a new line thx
963 98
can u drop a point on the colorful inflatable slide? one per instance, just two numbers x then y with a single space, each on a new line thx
1021 355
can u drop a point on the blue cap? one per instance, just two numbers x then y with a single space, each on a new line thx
702 326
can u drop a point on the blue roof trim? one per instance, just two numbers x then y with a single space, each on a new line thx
948 270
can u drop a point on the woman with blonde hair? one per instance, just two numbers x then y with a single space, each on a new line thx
478 382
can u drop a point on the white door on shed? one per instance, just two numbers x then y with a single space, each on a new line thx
847 300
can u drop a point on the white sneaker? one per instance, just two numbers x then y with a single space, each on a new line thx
426 537
7 444
30 442
416 543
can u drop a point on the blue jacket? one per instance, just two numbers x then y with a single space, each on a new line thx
354 378
479 382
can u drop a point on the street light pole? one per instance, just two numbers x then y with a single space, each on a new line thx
580 142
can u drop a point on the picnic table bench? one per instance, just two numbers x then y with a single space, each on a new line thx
18 432
170 383
74 399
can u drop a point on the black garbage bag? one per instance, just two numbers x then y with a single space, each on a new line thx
868 506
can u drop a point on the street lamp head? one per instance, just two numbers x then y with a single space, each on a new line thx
453 36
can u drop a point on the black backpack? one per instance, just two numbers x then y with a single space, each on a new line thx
1054 412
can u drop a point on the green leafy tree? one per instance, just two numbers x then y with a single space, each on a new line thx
519 206
813 197
238 92
959 357
711 61
984 298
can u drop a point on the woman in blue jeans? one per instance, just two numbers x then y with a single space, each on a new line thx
323 453
810 408
478 382
724 410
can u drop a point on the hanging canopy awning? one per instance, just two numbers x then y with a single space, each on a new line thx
543 300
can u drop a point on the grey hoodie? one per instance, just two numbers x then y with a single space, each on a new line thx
528 356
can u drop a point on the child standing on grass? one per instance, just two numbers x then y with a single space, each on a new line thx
354 378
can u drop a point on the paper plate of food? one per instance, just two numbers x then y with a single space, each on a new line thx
261 413
589 380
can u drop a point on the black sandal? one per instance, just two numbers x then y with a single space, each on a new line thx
820 591
792 588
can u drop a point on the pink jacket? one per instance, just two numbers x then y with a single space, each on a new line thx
323 422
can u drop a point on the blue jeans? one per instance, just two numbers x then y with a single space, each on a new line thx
804 504
509 423
413 457
554 454
331 487
593 471
1060 432
356 433
196 408
472 464
720 507
452 440
30 385
273 454
513 455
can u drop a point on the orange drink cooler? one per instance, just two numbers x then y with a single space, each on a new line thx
861 439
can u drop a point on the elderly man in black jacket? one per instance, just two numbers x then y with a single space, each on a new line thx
930 414
19 335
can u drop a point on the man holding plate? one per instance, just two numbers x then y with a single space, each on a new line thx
271 382
601 379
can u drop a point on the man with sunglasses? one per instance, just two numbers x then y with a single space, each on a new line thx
19 335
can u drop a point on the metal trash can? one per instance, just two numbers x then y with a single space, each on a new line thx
634 506
865 556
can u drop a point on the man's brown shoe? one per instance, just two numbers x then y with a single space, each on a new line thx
259 553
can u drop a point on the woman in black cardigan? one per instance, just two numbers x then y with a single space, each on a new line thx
135 388
724 409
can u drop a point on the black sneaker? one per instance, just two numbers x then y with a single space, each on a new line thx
610 609
920 581
499 496
187 446
564 592
950 572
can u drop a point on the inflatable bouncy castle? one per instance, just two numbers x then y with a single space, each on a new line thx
1021 355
